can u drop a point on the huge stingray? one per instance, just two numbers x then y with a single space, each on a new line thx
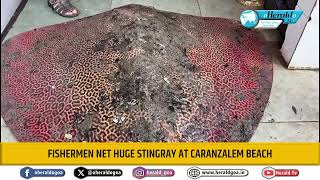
136 74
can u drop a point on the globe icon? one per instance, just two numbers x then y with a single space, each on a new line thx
194 173
249 18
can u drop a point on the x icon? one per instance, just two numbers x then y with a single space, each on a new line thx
80 172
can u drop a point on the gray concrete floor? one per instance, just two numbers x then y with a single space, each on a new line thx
291 88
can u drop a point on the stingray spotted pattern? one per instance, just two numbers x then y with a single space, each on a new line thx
136 74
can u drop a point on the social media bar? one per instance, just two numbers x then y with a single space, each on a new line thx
161 172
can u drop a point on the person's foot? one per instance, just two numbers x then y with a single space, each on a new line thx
63 8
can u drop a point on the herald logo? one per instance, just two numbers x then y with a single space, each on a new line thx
270 172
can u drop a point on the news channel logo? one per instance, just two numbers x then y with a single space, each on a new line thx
268 19
28 172
140 172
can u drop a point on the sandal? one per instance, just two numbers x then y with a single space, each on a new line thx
63 8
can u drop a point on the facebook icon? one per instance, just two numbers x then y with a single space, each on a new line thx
26 172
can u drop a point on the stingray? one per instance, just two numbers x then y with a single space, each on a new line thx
136 74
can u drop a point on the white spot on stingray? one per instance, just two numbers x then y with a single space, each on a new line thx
119 119
132 102
115 120
142 40
122 119
68 136
166 80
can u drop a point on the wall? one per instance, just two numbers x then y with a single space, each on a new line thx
8 7
306 54
302 38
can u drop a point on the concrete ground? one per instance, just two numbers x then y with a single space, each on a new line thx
292 113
